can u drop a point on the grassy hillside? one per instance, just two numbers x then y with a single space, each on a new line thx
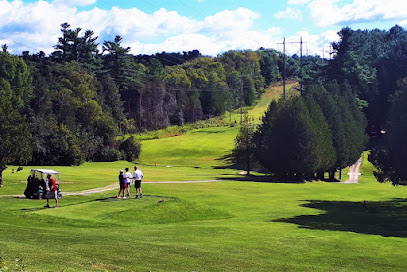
230 225
198 148
272 93
222 226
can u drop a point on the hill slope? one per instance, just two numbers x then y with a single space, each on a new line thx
203 147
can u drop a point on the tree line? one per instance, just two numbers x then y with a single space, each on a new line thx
374 63
70 106
367 66
303 137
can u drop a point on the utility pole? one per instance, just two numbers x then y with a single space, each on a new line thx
284 67
301 65
241 104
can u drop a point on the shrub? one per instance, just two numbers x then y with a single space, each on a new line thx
131 148
108 154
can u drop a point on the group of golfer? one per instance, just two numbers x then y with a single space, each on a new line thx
126 179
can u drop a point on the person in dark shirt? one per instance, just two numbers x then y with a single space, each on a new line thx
122 185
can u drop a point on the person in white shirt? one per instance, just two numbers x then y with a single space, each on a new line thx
127 179
138 175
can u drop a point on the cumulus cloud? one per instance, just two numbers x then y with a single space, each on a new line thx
328 13
403 23
36 26
73 3
240 19
212 44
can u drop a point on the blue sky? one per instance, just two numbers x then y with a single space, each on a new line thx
211 26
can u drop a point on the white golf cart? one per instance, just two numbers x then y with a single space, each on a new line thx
37 183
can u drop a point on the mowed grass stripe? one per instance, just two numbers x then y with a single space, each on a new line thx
221 226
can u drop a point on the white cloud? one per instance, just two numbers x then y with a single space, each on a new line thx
72 3
289 13
36 26
403 23
212 44
327 13
228 20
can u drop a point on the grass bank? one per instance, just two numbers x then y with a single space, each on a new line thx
229 225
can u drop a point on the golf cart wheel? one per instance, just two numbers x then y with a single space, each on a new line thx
59 196
40 196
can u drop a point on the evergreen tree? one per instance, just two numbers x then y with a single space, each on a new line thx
325 149
390 155
243 152
286 142
332 114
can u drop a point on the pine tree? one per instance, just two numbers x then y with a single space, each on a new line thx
243 151
390 155
286 142
325 150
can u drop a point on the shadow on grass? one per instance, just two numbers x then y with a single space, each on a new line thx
385 218
228 160
267 179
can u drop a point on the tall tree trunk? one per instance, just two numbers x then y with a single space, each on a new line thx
320 175
332 175
248 165
2 168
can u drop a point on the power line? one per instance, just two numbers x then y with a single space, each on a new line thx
197 90
284 66
1 37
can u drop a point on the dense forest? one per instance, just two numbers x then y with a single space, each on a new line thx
324 130
69 106
374 63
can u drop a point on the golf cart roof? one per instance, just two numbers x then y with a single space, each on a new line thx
46 171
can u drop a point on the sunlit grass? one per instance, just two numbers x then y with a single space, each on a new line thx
221 226
229 225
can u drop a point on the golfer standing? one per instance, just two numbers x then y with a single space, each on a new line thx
138 175
127 179
122 185
52 190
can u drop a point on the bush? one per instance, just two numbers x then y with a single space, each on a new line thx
131 148
108 154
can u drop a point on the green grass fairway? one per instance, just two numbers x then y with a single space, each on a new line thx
272 93
229 225
198 148
221 226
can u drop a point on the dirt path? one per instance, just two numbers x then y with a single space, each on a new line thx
115 186
354 173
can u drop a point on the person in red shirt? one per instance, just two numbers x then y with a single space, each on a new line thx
52 188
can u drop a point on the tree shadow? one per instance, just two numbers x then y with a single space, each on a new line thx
228 160
385 218
266 179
